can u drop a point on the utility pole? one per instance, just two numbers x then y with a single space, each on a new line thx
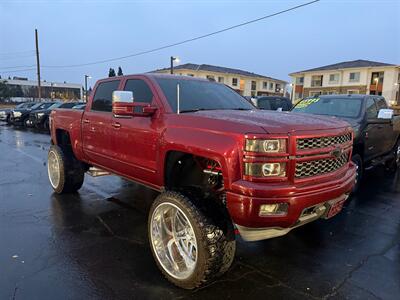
38 65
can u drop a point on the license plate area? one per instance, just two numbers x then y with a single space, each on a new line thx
334 207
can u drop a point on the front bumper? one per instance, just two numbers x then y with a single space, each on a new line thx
245 199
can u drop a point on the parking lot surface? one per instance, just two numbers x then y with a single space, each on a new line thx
93 244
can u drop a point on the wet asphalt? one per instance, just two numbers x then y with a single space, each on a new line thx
93 244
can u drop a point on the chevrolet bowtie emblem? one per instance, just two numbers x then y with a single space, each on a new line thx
337 152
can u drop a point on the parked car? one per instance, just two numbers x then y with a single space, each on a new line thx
5 113
272 103
376 129
20 117
222 167
80 106
40 118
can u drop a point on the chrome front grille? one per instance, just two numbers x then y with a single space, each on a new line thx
322 166
322 142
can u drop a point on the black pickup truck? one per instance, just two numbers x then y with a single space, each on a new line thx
375 126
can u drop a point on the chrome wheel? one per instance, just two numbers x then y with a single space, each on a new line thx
173 240
53 169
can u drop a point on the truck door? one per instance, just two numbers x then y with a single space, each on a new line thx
136 138
97 127
371 130
385 128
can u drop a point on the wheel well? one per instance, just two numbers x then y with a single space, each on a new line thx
188 170
63 139
359 149
200 179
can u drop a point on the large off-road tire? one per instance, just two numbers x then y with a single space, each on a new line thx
66 173
188 247
357 159
394 164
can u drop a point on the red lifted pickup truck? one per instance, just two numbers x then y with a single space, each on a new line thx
223 167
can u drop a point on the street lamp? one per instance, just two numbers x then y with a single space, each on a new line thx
86 93
172 63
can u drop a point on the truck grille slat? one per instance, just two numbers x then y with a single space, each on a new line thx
319 167
322 142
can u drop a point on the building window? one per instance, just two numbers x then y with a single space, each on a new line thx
377 76
316 80
210 77
271 85
298 95
191 75
221 79
315 93
300 80
253 85
278 88
334 78
353 91
354 77
334 92
234 81
265 85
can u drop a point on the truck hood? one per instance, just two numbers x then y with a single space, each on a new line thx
275 122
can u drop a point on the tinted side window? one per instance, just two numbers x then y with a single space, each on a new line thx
381 103
102 100
372 112
140 89
264 104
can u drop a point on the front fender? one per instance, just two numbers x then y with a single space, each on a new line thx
223 148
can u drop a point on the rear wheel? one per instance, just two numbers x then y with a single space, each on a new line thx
189 248
66 173
26 123
357 160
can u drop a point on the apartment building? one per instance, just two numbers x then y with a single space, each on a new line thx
26 90
245 83
350 77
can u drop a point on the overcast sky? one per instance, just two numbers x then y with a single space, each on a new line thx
74 32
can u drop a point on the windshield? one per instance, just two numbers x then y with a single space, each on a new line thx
201 95
55 105
41 106
338 107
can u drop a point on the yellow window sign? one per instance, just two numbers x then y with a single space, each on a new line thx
307 102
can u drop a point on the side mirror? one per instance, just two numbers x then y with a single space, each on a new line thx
385 114
122 104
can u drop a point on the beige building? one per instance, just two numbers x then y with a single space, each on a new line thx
350 77
245 83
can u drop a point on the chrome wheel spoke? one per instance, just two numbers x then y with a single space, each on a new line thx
173 240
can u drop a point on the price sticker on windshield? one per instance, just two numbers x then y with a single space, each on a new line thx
307 102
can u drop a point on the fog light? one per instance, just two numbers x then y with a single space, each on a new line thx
276 209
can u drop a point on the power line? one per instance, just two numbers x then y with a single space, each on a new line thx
184 41
16 67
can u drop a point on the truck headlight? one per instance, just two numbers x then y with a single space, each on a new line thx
271 169
17 114
39 115
266 146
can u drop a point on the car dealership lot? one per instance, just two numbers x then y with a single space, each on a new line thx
93 244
